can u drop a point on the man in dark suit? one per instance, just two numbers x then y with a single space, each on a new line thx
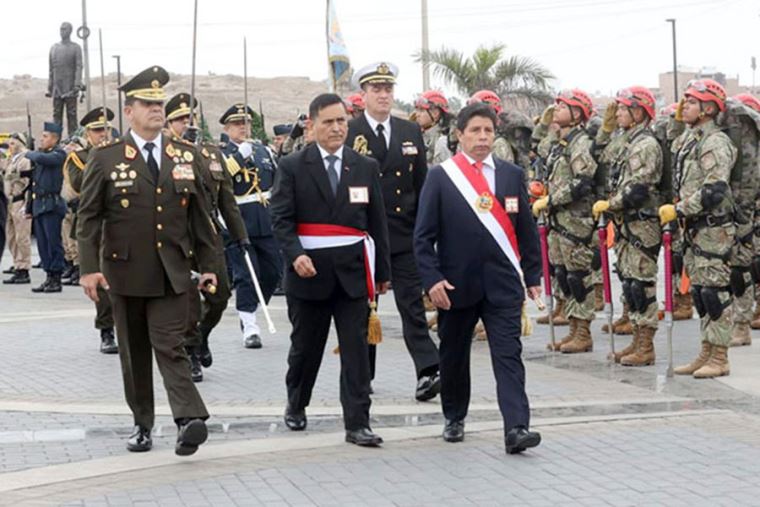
476 244
142 200
326 202
398 147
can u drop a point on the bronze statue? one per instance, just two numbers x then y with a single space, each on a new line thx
65 78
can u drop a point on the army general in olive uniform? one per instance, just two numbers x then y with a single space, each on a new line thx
224 212
142 195
96 131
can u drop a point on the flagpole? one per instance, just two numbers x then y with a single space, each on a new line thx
330 75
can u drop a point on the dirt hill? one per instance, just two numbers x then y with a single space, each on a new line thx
282 98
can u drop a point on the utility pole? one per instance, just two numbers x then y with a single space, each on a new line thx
754 67
84 33
118 90
425 48
672 21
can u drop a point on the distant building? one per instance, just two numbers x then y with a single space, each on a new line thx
686 74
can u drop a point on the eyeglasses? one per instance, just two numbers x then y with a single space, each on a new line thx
697 84
626 94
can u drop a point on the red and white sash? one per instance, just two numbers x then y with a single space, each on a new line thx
314 236
473 187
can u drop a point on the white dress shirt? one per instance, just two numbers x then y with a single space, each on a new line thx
338 163
140 142
489 170
373 123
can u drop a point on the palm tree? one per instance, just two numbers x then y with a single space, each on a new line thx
517 77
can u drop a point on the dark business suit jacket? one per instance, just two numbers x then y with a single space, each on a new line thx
302 194
450 242
402 173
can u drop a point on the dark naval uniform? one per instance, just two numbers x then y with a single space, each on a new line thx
144 199
73 173
403 168
252 180
48 209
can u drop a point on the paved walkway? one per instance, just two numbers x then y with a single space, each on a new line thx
612 435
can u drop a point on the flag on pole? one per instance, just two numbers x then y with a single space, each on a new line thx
337 53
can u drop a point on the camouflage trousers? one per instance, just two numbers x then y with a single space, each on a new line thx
713 273
741 259
639 266
576 259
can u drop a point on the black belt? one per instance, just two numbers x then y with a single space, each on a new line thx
652 252
572 237
639 215
17 198
708 221
710 255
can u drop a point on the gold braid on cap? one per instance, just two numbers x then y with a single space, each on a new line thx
154 94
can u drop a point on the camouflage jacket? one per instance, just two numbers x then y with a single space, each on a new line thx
638 160
436 145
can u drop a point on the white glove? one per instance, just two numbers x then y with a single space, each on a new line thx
245 149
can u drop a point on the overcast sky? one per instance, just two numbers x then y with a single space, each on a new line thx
598 45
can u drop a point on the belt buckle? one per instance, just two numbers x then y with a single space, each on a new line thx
709 220
637 244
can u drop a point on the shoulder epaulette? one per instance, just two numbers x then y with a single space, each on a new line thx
74 159
107 144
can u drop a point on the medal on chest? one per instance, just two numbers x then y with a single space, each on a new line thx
484 203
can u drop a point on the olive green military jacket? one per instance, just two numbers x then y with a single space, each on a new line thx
151 232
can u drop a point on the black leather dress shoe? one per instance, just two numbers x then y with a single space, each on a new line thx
190 434
139 440
363 437
108 342
519 438
453 431
253 342
428 387
295 419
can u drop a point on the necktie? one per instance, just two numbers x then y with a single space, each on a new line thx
332 174
478 165
383 147
152 164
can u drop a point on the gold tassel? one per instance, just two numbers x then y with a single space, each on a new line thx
374 330
526 325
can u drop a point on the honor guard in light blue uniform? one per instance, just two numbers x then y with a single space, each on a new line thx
252 168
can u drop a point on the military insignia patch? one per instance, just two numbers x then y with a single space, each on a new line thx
170 151
114 175
133 174
125 203
205 153
122 166
215 166
360 145
511 205
188 156
129 152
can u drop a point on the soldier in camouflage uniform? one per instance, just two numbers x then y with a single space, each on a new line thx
667 129
635 171
571 169
704 159
434 118
742 123
544 134
502 148
96 132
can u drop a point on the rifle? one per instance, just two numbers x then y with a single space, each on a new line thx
30 140
192 75
543 230
667 243
608 306
103 86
